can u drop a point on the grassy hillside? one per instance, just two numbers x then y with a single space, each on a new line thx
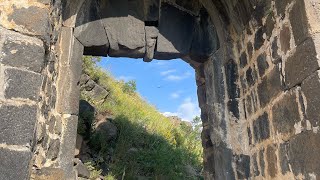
149 145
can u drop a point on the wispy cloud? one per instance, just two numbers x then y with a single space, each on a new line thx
187 110
175 95
178 77
125 78
170 71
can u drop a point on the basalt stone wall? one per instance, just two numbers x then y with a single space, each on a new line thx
259 92
257 72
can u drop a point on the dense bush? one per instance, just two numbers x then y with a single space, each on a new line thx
148 144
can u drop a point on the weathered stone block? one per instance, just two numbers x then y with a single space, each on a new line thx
261 128
270 24
262 64
14 164
255 166
258 39
242 166
70 11
17 124
301 64
21 51
304 154
251 76
272 161
283 158
124 25
70 71
243 59
270 86
223 162
205 40
233 106
49 174
53 149
22 84
262 162
276 58
231 71
286 114
151 41
32 20
175 41
68 144
89 29
281 7
310 88
299 22
285 36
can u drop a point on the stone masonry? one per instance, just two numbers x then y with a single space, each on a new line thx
257 71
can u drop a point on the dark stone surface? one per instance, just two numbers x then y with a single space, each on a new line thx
249 105
286 114
17 51
233 106
261 9
34 19
258 39
53 149
283 158
250 50
205 39
14 165
262 162
68 143
151 10
270 86
22 84
261 129
301 64
17 124
250 76
242 166
175 41
299 22
270 23
232 76
249 135
151 41
310 88
243 10
304 154
276 58
123 21
272 161
89 29
281 7
285 36
243 59
262 64
223 163
256 171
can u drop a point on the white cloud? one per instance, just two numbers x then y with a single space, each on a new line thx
125 78
178 77
186 111
175 95
164 73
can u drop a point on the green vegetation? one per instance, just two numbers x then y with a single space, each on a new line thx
148 145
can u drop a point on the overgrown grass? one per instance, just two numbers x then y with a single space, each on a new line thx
148 144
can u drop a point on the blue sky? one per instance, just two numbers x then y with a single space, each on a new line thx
168 85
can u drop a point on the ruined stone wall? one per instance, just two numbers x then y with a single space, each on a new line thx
257 65
260 92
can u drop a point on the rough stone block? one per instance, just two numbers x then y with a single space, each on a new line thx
301 64
272 161
151 41
243 59
262 64
286 114
14 165
21 51
70 72
22 84
89 29
270 24
283 158
281 7
49 174
233 106
258 39
299 22
223 162
251 76
124 25
261 128
304 154
270 86
242 166
262 162
205 40
255 167
285 37
68 144
70 11
231 71
175 41
32 20
17 124
53 149
310 88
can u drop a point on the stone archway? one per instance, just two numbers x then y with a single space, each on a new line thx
257 77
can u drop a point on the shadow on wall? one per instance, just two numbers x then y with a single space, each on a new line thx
120 147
